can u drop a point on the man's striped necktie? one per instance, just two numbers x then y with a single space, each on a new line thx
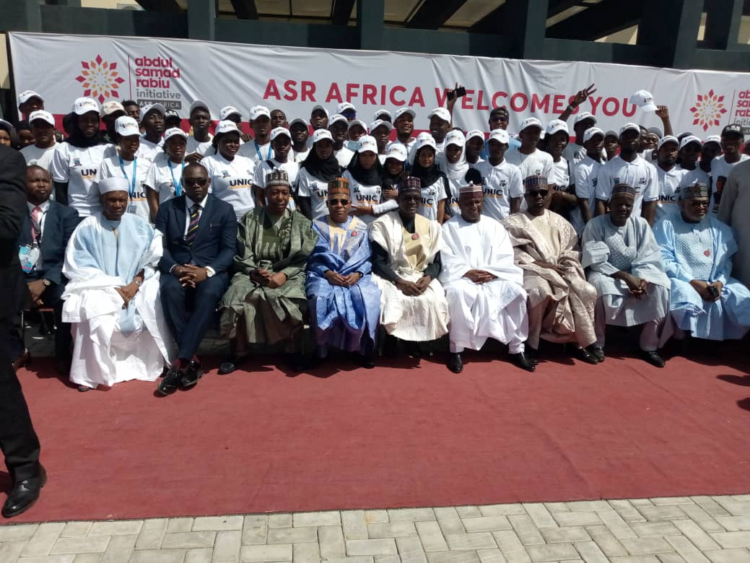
195 217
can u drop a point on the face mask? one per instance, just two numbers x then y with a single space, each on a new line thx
353 145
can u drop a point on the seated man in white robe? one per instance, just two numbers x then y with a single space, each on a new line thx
406 264
624 265
697 251
112 299
483 285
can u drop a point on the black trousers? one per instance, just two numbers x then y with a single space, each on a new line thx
52 297
18 441
176 301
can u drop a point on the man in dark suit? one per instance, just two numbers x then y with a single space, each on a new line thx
200 241
44 236
18 440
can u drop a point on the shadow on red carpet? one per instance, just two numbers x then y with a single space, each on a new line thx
405 434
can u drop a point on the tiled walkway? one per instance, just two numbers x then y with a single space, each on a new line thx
661 530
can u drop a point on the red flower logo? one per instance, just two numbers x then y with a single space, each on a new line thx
100 79
708 109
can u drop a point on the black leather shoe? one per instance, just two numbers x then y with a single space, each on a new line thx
233 364
456 363
532 355
295 362
24 494
597 352
653 358
169 382
585 356
367 361
522 361
191 376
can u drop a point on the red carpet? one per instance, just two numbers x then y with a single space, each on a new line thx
396 436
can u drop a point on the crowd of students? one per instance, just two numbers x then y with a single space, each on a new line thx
138 232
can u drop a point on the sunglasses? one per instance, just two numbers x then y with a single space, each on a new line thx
699 204
338 201
539 193
195 181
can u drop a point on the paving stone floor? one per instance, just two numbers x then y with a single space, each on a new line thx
660 530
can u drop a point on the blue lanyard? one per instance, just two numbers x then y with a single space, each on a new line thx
260 154
131 192
177 185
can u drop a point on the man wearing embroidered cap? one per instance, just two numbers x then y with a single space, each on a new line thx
41 152
668 175
164 177
281 145
344 301
112 298
629 168
529 159
152 121
200 142
697 251
624 265
259 148
29 102
483 286
406 264
266 300
561 302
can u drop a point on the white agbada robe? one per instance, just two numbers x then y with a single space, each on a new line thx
495 309
112 344
422 318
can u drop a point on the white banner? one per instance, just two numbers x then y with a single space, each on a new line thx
176 72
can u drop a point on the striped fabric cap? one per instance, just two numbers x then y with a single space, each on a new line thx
532 183
337 187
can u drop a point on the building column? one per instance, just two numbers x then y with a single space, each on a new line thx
671 30
526 22
723 19
201 16
370 22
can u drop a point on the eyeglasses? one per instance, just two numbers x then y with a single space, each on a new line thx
195 181
699 203
338 201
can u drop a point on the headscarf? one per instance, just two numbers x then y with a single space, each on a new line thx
372 177
324 170
428 175
455 171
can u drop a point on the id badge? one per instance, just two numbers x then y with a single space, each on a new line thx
29 256
132 208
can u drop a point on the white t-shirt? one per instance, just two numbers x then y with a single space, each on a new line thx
78 167
232 181
560 176
720 169
344 156
586 175
669 184
162 175
574 153
264 168
695 176
40 157
150 150
300 156
639 174
206 147
110 168
361 194
317 190
257 153
538 163
431 196
499 184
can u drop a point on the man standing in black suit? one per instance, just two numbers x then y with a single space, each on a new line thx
200 241
18 440
44 236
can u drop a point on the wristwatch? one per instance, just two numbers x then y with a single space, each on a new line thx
46 283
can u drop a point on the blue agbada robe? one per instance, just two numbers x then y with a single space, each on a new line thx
342 317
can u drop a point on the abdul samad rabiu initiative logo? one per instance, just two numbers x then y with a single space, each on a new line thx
100 79
708 110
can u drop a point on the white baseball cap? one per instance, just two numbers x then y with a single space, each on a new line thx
557 125
299 120
612 133
199 104
227 127
43 115
337 117
85 105
259 111
174 132
584 115
442 113
127 126
668 139
318 106
713 139
644 100
476 133
499 135
397 151
378 113
343 106
25 96
367 143
358 122
426 141
157 107
531 122
402 111
111 106
455 138
321 134
690 139
378 122
226 111
629 127
591 132
280 131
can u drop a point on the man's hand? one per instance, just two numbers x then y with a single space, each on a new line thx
246 138
390 193
549 266
408 288
636 285
702 288
276 280
352 279
423 283
194 157
334 278
180 272
719 287
260 276
36 288
662 112
582 95
361 210
127 292
479 276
